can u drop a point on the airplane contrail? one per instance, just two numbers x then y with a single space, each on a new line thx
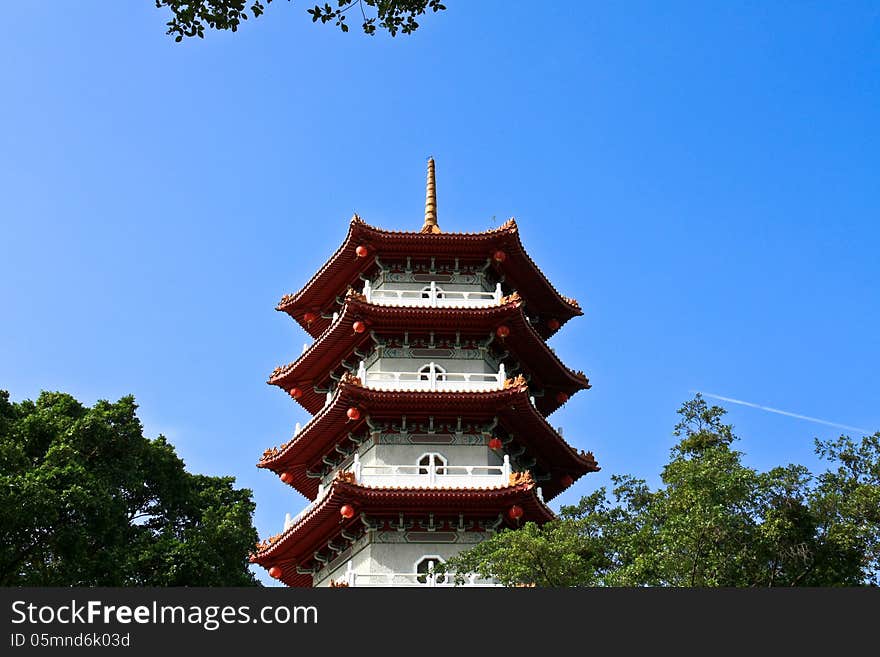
780 412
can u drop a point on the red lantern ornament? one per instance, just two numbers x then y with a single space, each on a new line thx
286 477
359 327
502 331
308 318
495 443
553 324
275 572
296 393
361 251
561 397
499 256
354 413
566 480
347 511
515 512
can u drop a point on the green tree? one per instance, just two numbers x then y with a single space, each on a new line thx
713 522
87 500
191 17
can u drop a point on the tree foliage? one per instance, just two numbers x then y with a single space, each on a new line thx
713 522
191 17
87 500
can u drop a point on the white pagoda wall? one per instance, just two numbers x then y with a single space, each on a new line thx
385 553
459 282
446 287
406 454
469 366
380 454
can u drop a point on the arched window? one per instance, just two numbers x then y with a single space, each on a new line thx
432 462
426 292
426 565
425 372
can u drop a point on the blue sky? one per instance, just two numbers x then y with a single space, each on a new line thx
702 178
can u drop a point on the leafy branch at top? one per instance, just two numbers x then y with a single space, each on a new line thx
191 17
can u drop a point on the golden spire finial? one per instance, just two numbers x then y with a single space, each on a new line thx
430 225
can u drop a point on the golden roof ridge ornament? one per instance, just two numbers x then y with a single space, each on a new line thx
430 225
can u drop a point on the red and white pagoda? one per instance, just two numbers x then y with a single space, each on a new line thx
429 381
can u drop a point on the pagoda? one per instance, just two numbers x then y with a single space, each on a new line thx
429 382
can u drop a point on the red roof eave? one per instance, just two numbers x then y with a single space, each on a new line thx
296 545
339 341
344 267
331 425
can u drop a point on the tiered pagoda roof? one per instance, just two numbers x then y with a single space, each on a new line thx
511 406
293 550
338 343
319 296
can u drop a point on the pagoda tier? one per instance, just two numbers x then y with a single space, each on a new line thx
332 437
499 249
322 537
340 347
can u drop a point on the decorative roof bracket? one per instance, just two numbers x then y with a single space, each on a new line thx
348 536
402 526
402 429
370 523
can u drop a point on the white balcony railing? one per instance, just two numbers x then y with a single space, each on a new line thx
432 297
434 475
428 579
431 476
432 378
415 579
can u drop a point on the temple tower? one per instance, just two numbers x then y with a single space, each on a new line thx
429 381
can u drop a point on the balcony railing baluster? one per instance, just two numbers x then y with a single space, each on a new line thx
433 297
434 380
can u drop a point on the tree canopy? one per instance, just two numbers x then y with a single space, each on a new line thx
713 522
87 500
191 17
